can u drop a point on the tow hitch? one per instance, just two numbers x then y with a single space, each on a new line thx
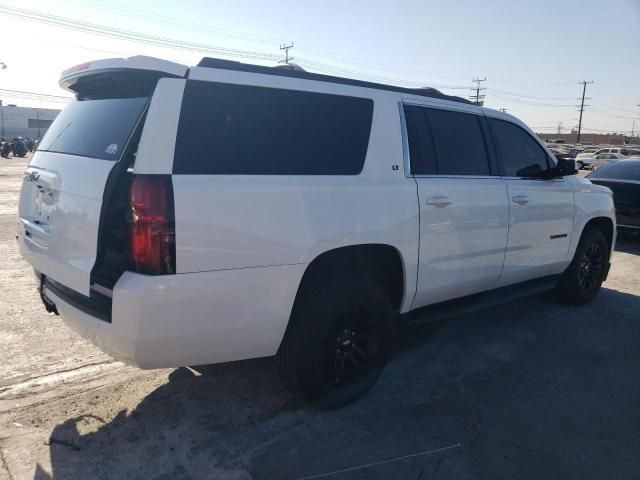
48 304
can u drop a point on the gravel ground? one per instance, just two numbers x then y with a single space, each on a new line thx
530 389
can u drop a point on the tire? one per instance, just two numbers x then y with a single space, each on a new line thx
580 165
339 339
581 281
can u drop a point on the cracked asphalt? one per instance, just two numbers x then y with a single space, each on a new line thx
529 390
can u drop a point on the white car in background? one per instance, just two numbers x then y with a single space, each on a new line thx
605 158
588 160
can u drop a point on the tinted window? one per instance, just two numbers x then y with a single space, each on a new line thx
459 143
243 130
421 149
521 155
94 128
622 170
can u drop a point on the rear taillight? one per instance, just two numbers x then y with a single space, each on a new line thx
152 248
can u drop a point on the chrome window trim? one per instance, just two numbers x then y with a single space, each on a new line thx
476 177
556 180
405 142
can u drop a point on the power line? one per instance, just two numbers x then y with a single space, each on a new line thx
333 70
84 27
160 19
613 106
528 96
191 26
598 112
33 96
525 102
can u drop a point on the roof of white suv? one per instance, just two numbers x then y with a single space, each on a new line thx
152 64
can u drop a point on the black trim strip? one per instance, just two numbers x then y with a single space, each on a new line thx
96 305
221 64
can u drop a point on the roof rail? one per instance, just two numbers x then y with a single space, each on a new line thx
208 62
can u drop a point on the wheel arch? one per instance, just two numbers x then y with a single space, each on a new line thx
382 262
605 225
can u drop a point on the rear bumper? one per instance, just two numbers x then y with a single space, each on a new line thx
191 319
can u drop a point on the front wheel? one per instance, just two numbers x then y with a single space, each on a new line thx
581 281
339 339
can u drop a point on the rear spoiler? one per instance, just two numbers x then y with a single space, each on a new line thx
161 68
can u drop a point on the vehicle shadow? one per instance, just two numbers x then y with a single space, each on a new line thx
628 243
164 436
489 385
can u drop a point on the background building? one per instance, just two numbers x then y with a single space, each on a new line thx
594 138
25 122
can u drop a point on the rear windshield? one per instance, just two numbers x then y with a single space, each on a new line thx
94 128
622 170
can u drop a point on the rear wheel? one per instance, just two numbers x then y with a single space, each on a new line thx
339 339
583 278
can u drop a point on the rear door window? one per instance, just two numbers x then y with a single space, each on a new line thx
422 153
459 143
244 130
443 142
520 154
94 128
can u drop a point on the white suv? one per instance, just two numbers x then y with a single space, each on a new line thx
182 216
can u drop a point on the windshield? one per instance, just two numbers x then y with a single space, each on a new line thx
622 170
94 128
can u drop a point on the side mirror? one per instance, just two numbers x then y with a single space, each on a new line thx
565 166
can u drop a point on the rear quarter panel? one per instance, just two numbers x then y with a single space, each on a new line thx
245 221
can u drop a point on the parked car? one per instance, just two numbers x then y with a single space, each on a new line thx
623 178
183 216
599 160
605 154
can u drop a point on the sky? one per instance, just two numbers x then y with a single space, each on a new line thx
532 54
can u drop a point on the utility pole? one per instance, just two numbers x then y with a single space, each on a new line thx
38 120
479 99
3 66
582 105
2 114
286 48
559 127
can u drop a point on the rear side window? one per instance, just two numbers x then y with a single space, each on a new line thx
94 128
243 130
521 155
442 142
622 170
421 150
459 143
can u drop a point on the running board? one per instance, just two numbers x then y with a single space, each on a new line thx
479 301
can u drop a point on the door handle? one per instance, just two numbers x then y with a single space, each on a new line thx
439 201
520 199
